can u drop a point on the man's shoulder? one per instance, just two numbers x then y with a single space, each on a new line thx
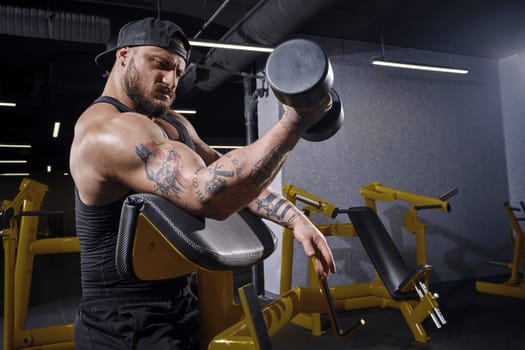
103 115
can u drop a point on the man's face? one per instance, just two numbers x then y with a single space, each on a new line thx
151 77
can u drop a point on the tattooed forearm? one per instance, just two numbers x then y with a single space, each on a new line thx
162 167
275 209
217 182
266 167
239 173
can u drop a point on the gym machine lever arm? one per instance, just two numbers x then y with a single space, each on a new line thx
376 191
336 324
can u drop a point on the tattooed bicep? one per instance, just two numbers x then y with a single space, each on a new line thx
162 165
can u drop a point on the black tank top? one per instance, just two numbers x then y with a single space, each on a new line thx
97 229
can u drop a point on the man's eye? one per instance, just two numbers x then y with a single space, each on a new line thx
162 64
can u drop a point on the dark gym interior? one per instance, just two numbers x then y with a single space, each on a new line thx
423 133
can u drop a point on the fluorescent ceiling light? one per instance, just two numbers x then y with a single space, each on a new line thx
7 104
219 45
185 111
14 174
384 63
56 129
14 146
226 147
13 161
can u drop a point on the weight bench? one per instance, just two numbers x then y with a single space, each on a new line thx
158 240
395 285
402 283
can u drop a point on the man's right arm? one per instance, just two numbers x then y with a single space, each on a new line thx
131 150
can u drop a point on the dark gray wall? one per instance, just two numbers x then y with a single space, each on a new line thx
420 132
512 76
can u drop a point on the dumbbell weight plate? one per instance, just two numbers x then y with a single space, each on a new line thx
299 73
331 122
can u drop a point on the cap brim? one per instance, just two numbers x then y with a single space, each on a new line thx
106 59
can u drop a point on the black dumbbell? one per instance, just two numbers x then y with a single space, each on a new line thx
300 75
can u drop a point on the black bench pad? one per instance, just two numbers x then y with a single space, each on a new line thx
396 276
240 241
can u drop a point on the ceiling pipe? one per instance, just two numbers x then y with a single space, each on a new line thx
268 24
57 25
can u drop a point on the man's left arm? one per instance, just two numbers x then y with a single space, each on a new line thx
273 206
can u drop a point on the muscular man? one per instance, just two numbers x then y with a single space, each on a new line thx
128 141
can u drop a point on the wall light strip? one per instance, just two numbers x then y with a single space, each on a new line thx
14 146
13 161
384 63
56 129
214 44
14 174
7 104
185 111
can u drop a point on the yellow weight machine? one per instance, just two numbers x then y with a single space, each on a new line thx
19 225
404 289
514 287
154 232
151 231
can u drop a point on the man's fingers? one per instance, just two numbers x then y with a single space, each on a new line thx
323 257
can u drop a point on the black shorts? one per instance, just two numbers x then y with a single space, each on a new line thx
137 323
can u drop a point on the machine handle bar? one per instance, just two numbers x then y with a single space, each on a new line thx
308 201
336 325
449 194
431 206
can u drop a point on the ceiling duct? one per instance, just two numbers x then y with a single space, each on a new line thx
57 25
268 23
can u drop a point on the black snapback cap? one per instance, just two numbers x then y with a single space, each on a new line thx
146 32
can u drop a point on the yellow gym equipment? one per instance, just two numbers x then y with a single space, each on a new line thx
152 230
19 224
514 287
396 285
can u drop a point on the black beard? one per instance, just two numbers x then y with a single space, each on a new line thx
141 104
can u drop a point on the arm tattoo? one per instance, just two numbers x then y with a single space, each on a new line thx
265 168
239 173
216 184
275 211
162 167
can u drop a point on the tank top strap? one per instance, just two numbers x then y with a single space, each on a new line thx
113 101
183 132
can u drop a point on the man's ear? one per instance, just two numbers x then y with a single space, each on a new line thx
122 56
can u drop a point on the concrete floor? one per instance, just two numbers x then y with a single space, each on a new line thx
474 321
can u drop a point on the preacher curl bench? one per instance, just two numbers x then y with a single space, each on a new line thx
158 240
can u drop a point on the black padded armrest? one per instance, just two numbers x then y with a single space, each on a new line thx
237 242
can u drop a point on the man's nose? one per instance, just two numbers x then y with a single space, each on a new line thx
170 79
